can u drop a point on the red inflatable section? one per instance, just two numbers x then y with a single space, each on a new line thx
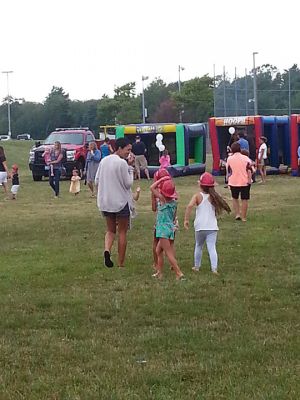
214 145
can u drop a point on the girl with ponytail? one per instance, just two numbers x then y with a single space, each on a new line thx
209 204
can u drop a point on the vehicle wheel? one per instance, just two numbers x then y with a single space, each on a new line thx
37 178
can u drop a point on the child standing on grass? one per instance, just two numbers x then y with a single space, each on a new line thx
75 182
209 204
154 204
164 190
14 181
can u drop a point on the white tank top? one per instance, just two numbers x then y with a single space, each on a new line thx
205 219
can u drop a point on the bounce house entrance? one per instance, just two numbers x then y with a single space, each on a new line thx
268 134
153 154
250 136
283 145
196 149
224 140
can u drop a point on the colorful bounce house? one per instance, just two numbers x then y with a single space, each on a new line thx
186 144
275 129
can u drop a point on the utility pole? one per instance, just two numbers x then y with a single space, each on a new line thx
180 68
144 78
8 100
254 84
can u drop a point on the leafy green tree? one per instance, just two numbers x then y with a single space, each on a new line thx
196 99
155 94
57 109
128 105
28 117
107 111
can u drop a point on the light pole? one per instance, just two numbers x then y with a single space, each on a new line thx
180 68
144 78
254 84
8 100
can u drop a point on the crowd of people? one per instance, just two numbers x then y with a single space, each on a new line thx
116 202
110 174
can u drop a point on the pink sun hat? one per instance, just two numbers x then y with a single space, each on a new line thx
167 189
207 179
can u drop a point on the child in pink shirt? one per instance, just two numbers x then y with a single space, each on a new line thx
164 160
47 157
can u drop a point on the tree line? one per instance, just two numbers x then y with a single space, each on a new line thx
198 99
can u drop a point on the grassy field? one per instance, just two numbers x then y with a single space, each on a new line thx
72 329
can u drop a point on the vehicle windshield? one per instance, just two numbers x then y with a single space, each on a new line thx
65 138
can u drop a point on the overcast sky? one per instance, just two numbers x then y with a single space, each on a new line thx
89 46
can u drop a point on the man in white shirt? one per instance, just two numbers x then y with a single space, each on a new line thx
262 158
114 179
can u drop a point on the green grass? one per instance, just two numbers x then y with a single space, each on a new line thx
72 329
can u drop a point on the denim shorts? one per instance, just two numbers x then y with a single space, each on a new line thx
124 213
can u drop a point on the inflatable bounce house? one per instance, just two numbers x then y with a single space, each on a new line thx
295 142
275 129
186 144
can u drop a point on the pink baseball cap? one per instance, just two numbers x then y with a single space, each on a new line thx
167 189
207 179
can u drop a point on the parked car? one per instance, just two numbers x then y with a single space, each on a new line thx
74 142
5 137
24 136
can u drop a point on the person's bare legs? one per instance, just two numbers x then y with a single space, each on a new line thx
160 260
91 187
264 174
244 210
5 187
236 207
262 171
155 259
165 245
138 173
122 240
109 239
147 174
137 169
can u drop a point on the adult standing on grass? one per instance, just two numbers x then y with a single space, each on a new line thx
56 155
262 158
237 169
93 159
4 173
106 148
114 179
139 150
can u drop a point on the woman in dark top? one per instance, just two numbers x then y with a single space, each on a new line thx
56 161
4 173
